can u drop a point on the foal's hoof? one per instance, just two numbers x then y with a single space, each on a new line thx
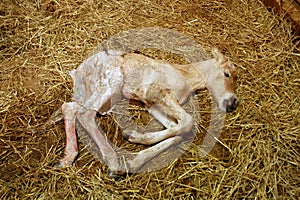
129 134
116 175
59 165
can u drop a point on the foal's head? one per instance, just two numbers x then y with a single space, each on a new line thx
221 82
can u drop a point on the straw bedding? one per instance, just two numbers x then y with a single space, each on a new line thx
258 154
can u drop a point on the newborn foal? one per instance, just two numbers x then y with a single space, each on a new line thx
104 78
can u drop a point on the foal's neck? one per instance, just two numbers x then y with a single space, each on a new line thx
197 73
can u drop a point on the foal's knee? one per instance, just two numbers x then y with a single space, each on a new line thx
186 123
69 110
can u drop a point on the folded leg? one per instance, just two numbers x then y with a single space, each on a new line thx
146 155
166 110
161 117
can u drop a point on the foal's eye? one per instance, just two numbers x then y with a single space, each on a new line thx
226 74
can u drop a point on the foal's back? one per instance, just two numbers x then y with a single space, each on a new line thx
115 74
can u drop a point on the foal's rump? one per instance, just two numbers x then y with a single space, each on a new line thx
98 81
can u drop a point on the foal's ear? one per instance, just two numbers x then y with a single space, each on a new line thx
217 55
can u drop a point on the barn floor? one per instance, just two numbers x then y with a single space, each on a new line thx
258 156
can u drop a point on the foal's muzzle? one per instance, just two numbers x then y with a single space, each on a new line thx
230 103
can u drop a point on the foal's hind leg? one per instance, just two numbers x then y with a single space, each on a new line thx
69 111
87 119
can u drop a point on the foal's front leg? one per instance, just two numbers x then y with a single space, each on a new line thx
161 117
146 155
169 111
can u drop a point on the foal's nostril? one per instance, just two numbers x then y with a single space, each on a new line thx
230 104
235 102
